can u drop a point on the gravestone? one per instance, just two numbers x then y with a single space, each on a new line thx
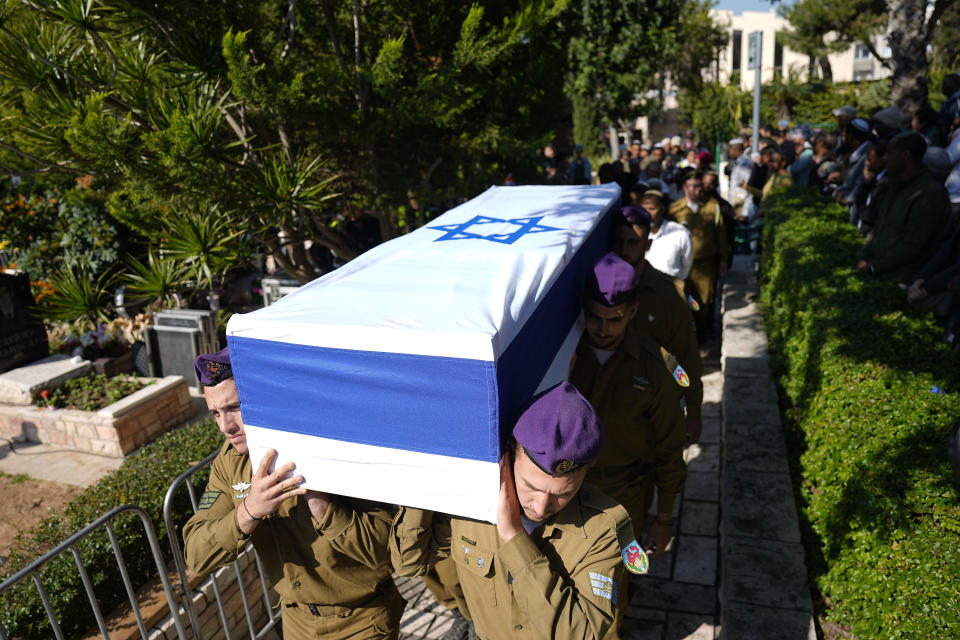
276 287
172 351
22 336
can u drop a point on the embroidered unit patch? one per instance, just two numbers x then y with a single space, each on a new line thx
693 303
634 559
208 498
681 377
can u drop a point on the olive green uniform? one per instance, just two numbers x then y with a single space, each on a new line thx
638 404
562 580
710 247
667 319
333 576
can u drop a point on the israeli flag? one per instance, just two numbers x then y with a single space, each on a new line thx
398 377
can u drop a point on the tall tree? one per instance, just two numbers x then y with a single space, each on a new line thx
263 111
908 25
622 53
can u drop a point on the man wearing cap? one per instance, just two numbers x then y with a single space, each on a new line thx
326 556
553 566
887 122
637 398
661 316
710 248
844 116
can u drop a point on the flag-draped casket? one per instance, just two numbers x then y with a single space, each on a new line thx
398 376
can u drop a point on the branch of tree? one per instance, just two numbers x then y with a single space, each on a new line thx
335 42
49 166
289 22
285 141
360 91
241 132
938 8
876 54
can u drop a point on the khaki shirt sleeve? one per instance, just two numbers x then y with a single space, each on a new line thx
212 537
417 541
683 345
358 531
669 469
584 607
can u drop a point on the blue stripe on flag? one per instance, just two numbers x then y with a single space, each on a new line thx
524 363
430 404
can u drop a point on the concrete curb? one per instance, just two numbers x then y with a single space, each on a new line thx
763 573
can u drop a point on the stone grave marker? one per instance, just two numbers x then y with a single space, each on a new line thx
22 336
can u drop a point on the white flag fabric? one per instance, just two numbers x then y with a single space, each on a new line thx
398 377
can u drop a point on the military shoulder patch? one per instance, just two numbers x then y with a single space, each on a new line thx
681 376
694 305
208 498
634 558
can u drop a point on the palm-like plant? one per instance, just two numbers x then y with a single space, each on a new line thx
78 296
205 243
158 281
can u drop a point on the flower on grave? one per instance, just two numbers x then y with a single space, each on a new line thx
45 394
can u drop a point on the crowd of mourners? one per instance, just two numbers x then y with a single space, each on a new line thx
898 176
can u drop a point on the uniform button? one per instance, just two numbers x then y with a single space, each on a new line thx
518 627
297 584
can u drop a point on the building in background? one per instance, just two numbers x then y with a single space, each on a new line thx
854 64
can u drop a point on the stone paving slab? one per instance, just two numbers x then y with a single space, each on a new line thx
662 595
755 447
749 622
690 626
710 434
699 518
701 486
696 559
759 505
737 367
765 572
703 457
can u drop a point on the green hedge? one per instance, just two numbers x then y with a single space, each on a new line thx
869 438
142 480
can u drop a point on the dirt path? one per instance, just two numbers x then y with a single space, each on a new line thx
25 503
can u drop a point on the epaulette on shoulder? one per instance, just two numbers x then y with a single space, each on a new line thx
616 519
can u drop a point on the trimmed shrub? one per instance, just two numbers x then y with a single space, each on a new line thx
142 480
873 392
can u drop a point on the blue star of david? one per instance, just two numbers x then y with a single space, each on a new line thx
525 226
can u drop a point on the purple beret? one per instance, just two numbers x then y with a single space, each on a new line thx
612 281
559 431
636 216
213 368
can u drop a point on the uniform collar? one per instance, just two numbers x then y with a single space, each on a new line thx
571 517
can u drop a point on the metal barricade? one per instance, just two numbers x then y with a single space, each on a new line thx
186 597
33 571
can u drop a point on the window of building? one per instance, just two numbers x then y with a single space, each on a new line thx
777 57
859 76
737 43
861 52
